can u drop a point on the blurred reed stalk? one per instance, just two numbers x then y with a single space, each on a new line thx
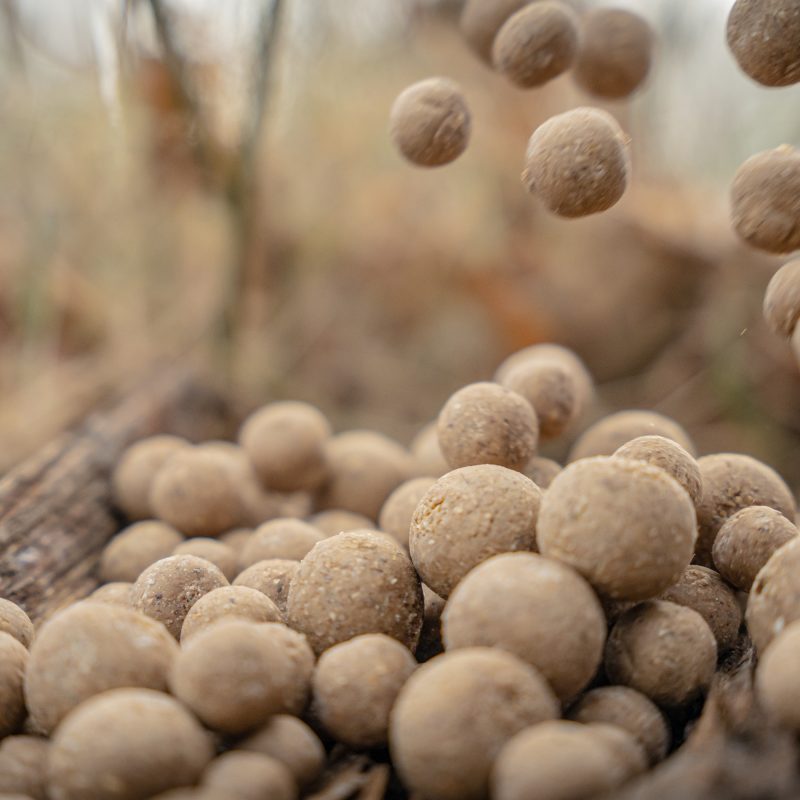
234 178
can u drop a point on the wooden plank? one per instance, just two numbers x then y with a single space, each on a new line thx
56 509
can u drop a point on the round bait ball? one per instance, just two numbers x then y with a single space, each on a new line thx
664 650
669 456
336 520
133 476
426 453
610 433
555 760
250 776
704 591
577 163
290 741
777 678
289 539
167 589
430 122
481 20
774 599
536 44
400 505
23 764
235 674
129 553
747 540
627 709
782 299
117 593
623 748
286 445
271 577
355 583
236 539
219 554
542 471
764 37
550 386
194 492
90 648
538 609
485 423
454 715
552 352
765 200
15 622
731 482
356 684
13 662
136 741
626 526
365 467
615 54
238 602
469 515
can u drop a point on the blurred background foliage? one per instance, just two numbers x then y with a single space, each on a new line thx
128 221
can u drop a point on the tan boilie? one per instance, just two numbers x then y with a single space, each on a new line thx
356 684
15 622
615 54
430 122
236 539
454 715
764 37
218 553
551 387
289 539
400 505
577 163
337 520
536 44
355 583
747 540
195 492
117 593
365 468
542 471
485 423
778 679
250 776
481 20
628 709
23 766
669 456
90 648
714 600
126 744
235 674
774 599
663 650
628 527
167 589
782 299
536 608
271 577
238 602
138 546
290 741
731 482
134 473
469 515
765 200
610 433
556 760
426 454
13 663
285 443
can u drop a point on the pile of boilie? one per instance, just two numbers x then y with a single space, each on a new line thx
491 623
